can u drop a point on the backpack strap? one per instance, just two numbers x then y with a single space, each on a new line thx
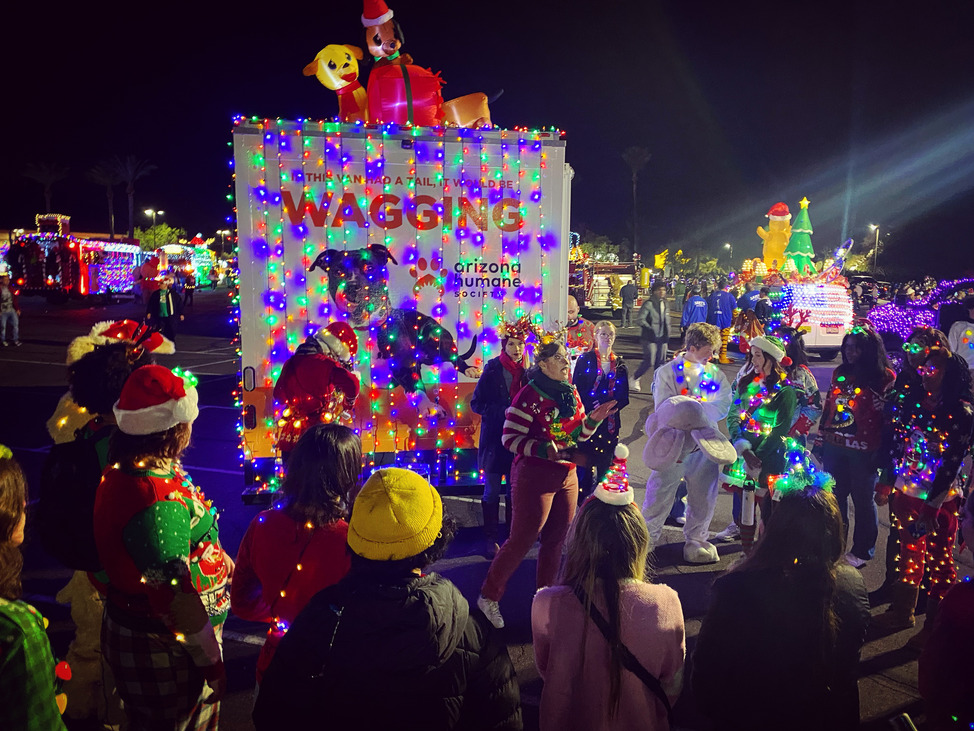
629 660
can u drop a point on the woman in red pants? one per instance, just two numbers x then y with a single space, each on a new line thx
932 433
543 425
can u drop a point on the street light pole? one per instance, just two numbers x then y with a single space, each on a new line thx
875 227
730 246
223 240
153 213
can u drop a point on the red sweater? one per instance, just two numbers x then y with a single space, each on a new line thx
267 564
532 423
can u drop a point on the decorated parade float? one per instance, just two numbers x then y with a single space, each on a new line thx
811 298
55 263
396 240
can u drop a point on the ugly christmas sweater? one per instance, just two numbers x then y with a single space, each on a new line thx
760 420
164 567
853 413
533 421
927 447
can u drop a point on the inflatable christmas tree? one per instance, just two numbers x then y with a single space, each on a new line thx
800 250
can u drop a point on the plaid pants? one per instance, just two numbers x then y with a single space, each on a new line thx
160 687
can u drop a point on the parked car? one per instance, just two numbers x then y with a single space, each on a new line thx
939 308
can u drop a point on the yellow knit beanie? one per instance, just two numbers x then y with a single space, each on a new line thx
396 515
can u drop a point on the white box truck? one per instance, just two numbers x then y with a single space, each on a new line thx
419 238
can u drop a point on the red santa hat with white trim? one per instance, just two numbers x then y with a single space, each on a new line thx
154 399
338 340
614 488
779 212
375 12
109 331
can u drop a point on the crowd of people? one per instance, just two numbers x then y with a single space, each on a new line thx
361 632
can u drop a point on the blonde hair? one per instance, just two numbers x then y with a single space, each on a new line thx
609 544
606 325
702 334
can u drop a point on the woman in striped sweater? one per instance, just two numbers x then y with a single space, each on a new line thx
543 426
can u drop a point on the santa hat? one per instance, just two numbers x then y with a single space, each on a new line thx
154 399
108 331
772 346
338 340
779 212
614 488
375 12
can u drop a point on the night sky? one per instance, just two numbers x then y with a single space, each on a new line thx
866 108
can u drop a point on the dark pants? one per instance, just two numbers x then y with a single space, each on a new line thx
626 315
654 355
855 476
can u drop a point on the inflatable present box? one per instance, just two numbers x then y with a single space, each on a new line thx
405 94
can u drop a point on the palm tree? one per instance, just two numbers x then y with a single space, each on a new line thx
105 173
130 168
47 174
636 158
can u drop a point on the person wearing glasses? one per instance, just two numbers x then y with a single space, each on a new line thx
543 426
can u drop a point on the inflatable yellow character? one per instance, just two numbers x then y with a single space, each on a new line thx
777 235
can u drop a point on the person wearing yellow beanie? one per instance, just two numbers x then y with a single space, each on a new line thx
397 514
389 626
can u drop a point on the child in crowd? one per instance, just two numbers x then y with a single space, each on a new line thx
27 672
608 644
295 550
793 614
389 647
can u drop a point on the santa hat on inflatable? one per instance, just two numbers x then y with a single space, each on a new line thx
375 12
109 331
154 399
779 212
614 488
338 340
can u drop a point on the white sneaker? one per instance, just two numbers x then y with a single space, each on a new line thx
854 561
700 552
730 533
634 385
491 610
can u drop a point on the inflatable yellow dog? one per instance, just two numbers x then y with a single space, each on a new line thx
777 235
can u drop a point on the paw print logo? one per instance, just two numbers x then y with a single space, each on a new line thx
426 276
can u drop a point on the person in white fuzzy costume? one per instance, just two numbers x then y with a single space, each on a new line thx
691 375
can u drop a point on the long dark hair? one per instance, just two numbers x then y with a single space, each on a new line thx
802 544
748 371
96 379
13 496
871 368
609 544
794 347
323 474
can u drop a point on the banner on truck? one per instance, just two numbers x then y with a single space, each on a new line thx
419 239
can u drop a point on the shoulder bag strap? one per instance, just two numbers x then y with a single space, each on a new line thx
629 660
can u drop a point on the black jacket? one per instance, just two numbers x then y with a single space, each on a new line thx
491 397
761 620
404 654
655 328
